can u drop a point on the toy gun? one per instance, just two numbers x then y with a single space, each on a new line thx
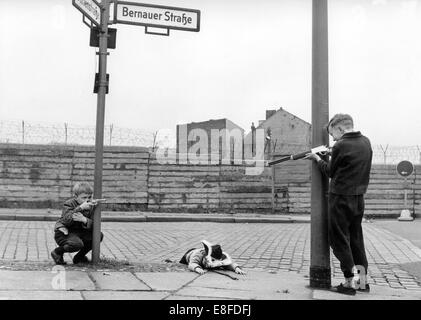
322 150
97 200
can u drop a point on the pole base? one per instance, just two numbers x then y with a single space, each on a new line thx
320 277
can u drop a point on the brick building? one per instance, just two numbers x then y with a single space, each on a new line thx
285 133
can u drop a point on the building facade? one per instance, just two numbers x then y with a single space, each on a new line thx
220 137
284 134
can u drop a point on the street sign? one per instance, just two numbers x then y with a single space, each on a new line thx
405 168
94 37
90 9
149 15
96 84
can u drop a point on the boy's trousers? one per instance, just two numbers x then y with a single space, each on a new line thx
345 232
75 241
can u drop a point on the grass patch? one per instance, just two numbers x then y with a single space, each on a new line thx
105 264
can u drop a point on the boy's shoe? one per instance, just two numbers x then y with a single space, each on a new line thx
345 290
80 259
367 288
58 259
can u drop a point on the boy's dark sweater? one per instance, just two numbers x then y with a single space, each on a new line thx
350 165
66 220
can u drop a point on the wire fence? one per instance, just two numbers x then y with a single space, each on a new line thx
70 134
388 154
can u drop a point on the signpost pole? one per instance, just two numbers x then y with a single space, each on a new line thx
99 138
320 254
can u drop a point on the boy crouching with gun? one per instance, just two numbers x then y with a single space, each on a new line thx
73 230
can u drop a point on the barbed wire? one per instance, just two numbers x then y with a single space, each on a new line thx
25 132
71 134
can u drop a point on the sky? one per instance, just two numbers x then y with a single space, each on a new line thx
248 56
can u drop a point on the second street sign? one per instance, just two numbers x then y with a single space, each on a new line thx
90 8
157 16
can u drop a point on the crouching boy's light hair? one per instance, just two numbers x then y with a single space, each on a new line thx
82 187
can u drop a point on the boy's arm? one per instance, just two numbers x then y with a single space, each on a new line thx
196 268
328 168
194 263
88 224
67 214
229 264
324 167
89 219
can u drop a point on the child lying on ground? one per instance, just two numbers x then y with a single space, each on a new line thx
209 257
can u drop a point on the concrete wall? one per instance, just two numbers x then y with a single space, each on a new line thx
37 176
385 194
40 176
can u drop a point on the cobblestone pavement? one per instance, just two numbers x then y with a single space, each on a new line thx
279 246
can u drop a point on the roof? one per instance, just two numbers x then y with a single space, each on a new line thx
224 120
282 110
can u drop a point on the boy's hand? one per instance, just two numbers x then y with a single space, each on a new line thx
239 271
87 205
77 216
313 156
199 270
64 230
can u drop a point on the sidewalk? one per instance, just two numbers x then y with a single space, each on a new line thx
60 284
275 254
137 216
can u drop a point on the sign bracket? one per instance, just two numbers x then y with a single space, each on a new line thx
88 23
155 31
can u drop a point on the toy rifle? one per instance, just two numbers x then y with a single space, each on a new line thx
322 150
97 200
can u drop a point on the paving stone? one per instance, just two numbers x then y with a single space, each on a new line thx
57 279
117 281
124 295
40 295
167 281
267 246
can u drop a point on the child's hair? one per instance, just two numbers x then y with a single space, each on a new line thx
216 252
342 119
82 187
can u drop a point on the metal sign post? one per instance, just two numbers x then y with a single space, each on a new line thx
150 16
405 169
320 254
99 138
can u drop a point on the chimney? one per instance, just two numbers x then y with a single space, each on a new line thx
270 113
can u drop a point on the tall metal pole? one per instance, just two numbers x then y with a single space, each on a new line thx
320 254
99 138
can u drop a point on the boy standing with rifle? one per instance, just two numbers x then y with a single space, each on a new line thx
349 173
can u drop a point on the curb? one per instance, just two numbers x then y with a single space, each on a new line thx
23 217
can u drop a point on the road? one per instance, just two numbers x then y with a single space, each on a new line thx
410 230
268 246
